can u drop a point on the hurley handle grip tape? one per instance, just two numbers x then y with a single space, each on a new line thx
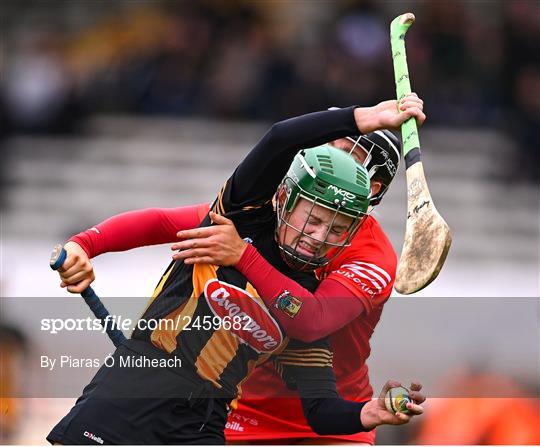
58 257
409 130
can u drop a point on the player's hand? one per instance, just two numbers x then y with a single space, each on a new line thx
374 413
219 244
387 114
77 272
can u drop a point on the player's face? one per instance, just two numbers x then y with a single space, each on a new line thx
312 229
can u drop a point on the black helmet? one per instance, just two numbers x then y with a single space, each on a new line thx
383 155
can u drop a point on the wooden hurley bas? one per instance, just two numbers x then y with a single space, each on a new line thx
427 235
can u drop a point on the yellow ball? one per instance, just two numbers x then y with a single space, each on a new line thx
396 400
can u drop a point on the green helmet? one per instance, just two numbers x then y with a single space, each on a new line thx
337 189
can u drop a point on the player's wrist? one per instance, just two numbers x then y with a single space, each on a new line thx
369 416
82 241
366 119
249 258
242 246
72 246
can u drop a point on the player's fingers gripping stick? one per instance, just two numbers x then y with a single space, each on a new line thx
75 278
67 265
58 257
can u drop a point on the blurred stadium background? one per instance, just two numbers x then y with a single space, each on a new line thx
111 106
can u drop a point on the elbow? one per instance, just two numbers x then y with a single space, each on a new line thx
304 334
309 336
273 135
312 329
310 324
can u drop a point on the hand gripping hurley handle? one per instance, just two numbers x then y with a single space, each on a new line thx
58 256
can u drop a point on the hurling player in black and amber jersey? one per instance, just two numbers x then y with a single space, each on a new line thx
216 360
186 292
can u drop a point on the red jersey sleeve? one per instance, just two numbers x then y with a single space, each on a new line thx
151 226
303 315
364 271
368 267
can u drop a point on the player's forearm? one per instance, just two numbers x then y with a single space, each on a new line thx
333 415
325 411
275 151
151 226
313 129
319 314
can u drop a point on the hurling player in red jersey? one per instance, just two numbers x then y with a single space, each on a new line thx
268 410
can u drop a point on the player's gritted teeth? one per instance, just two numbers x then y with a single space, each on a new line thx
305 248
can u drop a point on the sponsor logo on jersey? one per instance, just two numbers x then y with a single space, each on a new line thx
346 195
235 426
258 329
93 437
369 277
243 419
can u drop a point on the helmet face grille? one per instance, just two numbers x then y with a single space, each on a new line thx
323 248
382 151
321 202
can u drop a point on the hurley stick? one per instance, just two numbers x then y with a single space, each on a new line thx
427 235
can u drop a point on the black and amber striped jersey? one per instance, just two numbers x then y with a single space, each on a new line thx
212 317
218 353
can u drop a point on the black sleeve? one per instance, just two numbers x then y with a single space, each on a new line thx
333 415
307 367
255 180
